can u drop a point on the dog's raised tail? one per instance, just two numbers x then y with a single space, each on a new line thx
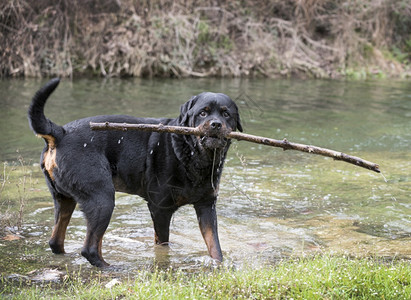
37 120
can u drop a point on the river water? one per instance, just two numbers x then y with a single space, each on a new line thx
273 204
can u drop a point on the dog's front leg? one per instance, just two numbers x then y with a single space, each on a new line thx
207 219
161 220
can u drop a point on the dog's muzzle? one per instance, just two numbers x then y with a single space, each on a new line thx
215 132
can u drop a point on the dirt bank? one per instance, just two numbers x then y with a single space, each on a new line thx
205 38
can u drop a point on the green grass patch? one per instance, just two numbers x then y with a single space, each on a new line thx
320 277
19 182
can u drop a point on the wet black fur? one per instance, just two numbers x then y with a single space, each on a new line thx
167 170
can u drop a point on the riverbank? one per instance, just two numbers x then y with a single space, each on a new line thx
319 277
315 39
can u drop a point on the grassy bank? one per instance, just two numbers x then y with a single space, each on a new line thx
212 38
322 277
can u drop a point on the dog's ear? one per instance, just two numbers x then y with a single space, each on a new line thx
184 111
239 126
237 118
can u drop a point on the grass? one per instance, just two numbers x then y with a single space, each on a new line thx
319 277
18 180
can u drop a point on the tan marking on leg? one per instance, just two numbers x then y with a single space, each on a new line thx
156 239
59 229
210 241
100 249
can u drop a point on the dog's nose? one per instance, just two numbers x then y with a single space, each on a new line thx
216 124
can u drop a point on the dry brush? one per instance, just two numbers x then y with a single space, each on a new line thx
203 38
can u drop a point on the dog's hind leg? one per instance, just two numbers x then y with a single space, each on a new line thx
63 209
98 211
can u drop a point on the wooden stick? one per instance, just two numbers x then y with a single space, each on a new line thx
286 145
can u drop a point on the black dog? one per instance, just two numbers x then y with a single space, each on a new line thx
168 170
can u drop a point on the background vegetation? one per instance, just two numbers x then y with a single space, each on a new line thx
306 38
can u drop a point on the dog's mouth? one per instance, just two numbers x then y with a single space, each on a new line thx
214 137
209 142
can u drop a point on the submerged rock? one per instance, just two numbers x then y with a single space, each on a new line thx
53 275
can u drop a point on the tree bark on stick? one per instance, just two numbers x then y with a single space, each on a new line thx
284 144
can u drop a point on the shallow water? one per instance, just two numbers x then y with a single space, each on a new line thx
273 204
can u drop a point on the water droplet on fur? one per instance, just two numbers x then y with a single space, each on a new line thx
92 138
151 152
85 145
119 141
158 144
192 153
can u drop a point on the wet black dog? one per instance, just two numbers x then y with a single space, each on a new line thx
168 170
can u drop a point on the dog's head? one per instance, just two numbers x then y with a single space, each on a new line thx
215 113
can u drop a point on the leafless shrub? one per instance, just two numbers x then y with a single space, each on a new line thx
317 38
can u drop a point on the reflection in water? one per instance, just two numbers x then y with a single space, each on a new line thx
272 203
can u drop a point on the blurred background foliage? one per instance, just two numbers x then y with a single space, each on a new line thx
162 38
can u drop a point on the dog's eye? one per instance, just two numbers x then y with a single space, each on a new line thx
203 114
226 114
